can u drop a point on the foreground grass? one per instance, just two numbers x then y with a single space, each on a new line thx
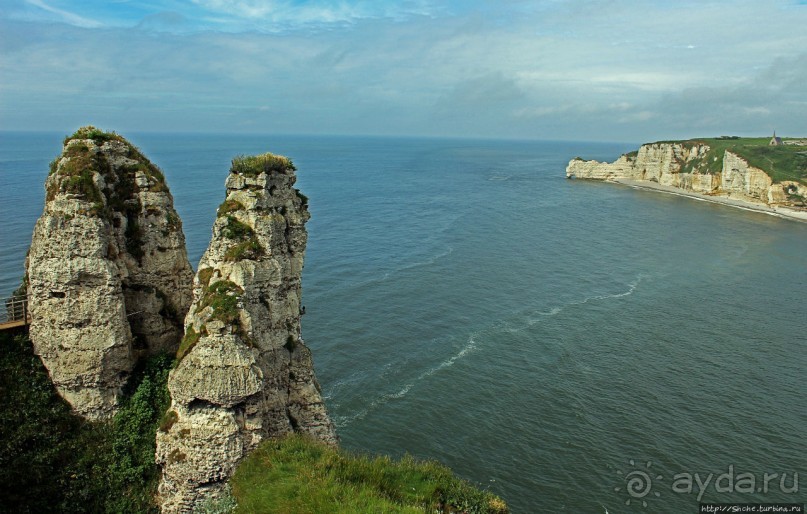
781 163
296 475
54 461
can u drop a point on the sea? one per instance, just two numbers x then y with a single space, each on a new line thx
571 346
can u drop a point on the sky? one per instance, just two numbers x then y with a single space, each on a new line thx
608 70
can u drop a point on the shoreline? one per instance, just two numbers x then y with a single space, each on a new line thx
781 212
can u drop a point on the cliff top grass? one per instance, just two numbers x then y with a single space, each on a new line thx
781 163
297 475
254 165
77 164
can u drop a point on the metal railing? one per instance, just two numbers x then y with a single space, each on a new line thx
16 310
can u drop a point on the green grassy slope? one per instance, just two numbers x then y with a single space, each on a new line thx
786 162
296 476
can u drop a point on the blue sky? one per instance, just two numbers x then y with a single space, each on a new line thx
610 70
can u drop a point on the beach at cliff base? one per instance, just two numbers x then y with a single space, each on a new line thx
782 212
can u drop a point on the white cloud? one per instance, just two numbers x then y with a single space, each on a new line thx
264 13
67 17
505 71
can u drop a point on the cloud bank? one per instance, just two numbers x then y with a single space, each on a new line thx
562 69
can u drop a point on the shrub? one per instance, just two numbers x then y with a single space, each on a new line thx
229 206
249 249
169 418
254 165
90 132
204 276
188 342
223 297
54 461
235 229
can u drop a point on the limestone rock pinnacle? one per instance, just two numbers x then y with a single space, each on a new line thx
244 373
107 272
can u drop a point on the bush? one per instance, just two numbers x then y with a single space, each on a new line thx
54 461
254 165
249 249
235 229
188 342
229 206
223 297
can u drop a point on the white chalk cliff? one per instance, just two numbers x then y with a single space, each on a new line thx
684 166
244 373
107 272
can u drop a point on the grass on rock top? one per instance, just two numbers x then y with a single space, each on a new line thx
254 165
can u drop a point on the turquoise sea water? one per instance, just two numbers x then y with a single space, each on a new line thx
547 339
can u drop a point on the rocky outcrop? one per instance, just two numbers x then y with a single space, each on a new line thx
243 372
690 166
107 271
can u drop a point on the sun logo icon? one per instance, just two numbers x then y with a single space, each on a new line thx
639 483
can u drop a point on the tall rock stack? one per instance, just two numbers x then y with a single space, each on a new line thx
243 372
107 272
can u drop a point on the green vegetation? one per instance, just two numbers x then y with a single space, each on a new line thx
77 177
254 165
97 135
781 163
188 342
235 229
248 246
229 206
204 276
297 475
54 461
223 297
301 196
249 249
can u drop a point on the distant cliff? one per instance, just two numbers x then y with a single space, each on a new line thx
745 169
107 272
244 373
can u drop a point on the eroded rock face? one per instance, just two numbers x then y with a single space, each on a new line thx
244 373
662 163
684 166
108 275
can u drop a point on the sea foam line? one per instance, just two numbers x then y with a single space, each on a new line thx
382 400
557 310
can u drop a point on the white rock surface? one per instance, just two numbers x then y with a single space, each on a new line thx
663 163
95 307
248 376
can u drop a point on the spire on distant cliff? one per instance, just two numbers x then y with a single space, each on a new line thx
775 141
